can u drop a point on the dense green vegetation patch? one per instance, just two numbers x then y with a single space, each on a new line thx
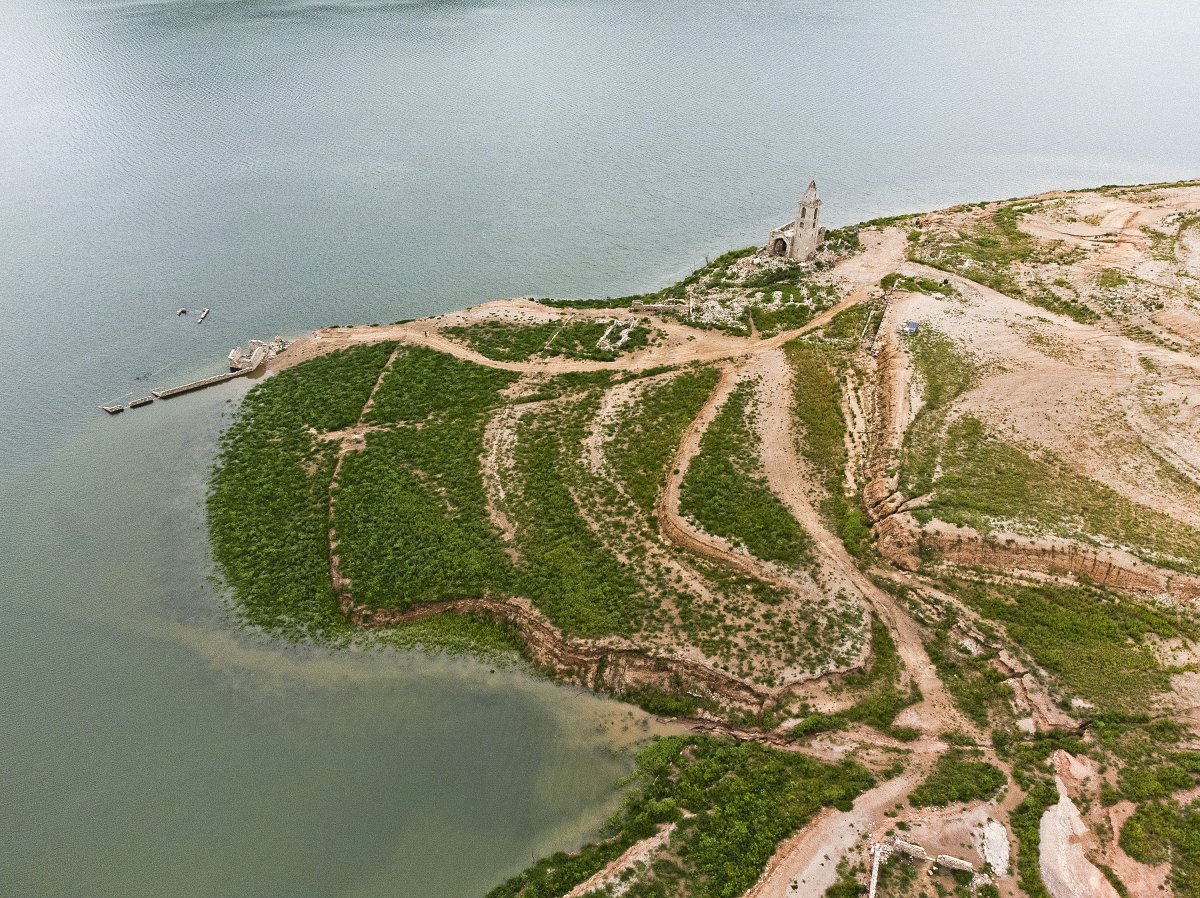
496 641
645 442
423 383
794 307
509 341
1167 832
1096 642
1026 821
268 502
566 568
726 492
745 798
958 776
977 686
410 510
1147 750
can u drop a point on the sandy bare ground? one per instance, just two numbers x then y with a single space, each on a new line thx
1079 390
1065 840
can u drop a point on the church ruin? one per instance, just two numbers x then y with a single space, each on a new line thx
799 239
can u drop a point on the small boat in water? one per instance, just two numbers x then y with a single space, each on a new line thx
203 315
181 312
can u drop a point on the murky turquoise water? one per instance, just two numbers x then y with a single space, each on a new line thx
292 164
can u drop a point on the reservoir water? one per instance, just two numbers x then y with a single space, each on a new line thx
295 163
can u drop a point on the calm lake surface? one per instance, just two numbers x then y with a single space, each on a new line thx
295 164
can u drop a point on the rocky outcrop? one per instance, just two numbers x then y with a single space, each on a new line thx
899 541
1105 567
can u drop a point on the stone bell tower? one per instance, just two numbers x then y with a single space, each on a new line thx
807 232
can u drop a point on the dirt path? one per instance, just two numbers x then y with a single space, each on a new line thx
810 857
682 344
495 466
784 469
674 527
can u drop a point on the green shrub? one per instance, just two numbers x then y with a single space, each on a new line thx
897 281
958 776
507 341
565 567
821 430
1161 832
725 491
745 798
983 479
269 492
977 686
1096 642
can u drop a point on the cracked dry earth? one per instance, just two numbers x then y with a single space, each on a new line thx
1117 398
